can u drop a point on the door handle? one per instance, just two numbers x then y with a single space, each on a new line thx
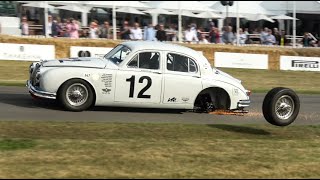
196 76
157 72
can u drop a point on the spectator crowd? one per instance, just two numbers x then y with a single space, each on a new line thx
72 28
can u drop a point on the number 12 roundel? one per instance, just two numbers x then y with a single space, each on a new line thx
143 90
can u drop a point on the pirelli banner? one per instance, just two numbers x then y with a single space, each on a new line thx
82 51
299 63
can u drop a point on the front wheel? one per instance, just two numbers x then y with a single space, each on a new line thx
76 95
281 106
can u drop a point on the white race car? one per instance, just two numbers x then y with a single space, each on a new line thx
139 74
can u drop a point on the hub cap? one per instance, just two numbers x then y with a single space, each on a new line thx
284 107
77 94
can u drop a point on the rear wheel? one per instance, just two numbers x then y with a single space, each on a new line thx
76 95
281 106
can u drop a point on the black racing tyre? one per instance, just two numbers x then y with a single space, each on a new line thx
75 95
281 106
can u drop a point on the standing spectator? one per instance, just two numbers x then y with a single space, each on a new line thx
228 36
125 31
217 32
149 33
136 32
246 31
212 35
203 39
269 39
47 31
306 40
106 31
56 28
74 33
172 33
199 32
161 33
24 26
190 35
67 28
242 36
263 34
283 39
93 30
277 35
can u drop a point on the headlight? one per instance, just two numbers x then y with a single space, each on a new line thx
31 67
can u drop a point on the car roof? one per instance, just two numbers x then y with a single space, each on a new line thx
143 45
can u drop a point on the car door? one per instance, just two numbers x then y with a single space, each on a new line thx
140 80
182 79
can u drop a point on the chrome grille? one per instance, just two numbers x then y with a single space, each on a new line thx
34 74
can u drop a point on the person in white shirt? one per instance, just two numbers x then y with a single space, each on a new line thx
136 32
93 30
203 39
242 36
190 35
49 27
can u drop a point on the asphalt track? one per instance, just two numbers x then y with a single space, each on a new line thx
17 104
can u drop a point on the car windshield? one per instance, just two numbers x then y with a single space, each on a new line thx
118 54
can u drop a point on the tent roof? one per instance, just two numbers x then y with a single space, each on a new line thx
245 7
284 7
194 6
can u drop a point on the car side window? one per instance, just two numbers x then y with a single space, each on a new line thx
145 60
180 63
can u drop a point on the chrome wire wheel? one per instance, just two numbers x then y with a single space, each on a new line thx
284 107
77 94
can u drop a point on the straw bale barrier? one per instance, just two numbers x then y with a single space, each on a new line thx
62 47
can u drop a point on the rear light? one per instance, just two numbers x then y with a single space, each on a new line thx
248 92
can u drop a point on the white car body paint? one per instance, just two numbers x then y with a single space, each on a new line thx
111 82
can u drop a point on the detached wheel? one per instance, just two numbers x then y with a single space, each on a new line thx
76 95
281 106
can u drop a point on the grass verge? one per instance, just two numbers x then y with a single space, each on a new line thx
15 73
128 150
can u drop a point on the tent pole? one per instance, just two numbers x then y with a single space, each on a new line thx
114 23
294 24
238 24
180 24
46 19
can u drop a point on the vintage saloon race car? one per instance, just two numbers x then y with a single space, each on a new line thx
139 74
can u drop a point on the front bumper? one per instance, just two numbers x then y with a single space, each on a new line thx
244 103
38 93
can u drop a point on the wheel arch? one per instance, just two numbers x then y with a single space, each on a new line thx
220 95
89 83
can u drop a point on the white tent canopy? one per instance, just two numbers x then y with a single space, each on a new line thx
194 6
158 11
129 10
259 17
76 8
39 4
284 7
283 17
209 15
245 7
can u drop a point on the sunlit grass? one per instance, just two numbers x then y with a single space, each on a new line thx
15 73
124 150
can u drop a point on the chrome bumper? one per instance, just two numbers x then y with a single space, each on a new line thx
243 103
38 93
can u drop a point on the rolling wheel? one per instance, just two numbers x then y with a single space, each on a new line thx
76 95
281 106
